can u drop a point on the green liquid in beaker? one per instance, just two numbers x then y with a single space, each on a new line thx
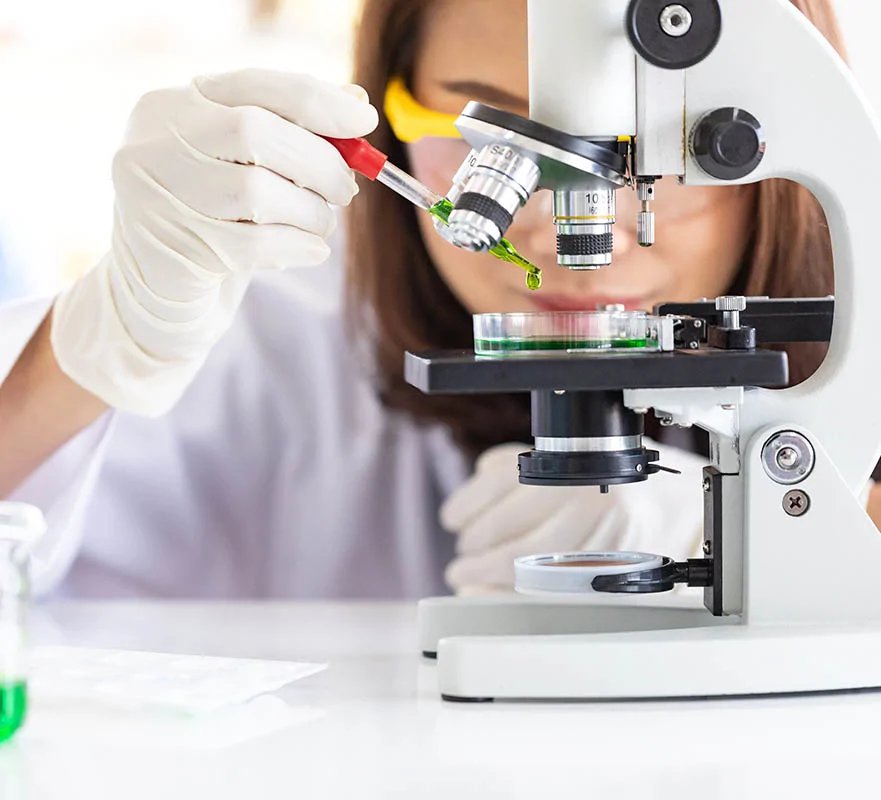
13 707
504 250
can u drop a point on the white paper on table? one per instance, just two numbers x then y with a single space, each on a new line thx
118 698
127 679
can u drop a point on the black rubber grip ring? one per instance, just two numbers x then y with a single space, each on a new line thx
584 244
486 207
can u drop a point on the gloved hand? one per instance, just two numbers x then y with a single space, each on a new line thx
496 519
215 180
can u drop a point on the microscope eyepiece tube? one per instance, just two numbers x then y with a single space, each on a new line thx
584 218
500 182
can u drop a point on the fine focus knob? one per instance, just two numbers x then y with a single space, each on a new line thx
728 143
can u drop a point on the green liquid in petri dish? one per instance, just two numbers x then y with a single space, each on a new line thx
504 250
13 707
531 345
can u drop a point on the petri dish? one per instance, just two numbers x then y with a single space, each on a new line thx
562 332
573 573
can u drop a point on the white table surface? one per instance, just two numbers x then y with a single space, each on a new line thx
373 727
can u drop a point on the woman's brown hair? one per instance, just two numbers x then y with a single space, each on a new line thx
399 301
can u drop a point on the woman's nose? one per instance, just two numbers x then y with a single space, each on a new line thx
533 228
538 240
625 237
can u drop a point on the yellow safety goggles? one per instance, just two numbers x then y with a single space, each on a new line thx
410 121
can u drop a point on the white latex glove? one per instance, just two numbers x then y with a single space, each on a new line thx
496 519
214 181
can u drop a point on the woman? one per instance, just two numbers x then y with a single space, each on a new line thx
260 458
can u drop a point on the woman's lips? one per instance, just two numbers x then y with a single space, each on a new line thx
563 302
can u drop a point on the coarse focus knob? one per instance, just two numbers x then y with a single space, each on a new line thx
731 303
728 143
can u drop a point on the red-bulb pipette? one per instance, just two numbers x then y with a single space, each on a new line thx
365 159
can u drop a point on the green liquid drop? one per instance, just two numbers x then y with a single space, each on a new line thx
531 345
13 707
504 250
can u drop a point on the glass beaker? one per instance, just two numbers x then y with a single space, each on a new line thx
20 526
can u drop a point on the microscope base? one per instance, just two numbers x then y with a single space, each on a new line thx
529 648
732 660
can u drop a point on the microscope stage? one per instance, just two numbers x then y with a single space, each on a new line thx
463 372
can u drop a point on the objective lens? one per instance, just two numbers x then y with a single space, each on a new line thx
584 220
500 182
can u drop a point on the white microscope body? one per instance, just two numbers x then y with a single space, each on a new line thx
802 599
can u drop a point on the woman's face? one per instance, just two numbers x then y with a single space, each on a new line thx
476 50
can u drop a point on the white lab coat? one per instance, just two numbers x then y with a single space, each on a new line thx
279 473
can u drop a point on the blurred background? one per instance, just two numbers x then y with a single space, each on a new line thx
71 70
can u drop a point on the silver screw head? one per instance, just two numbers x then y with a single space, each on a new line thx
788 457
676 20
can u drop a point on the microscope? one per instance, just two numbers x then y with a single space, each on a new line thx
626 95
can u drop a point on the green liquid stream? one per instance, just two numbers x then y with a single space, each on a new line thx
13 707
504 250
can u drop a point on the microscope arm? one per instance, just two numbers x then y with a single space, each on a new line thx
798 556
774 64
